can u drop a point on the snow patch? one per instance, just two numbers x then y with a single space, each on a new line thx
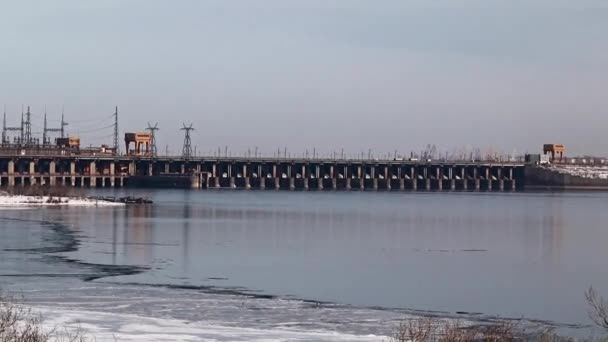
594 172
20 201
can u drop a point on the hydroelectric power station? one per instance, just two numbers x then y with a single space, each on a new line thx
26 161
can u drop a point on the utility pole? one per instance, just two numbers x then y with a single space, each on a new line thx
116 146
44 129
22 124
152 129
4 127
63 124
187 149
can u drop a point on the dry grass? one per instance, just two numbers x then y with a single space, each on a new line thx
443 330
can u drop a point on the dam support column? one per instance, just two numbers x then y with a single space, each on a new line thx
11 173
501 181
167 168
387 179
439 176
112 174
52 172
452 179
292 180
374 179
319 179
32 173
489 178
304 177
334 184
361 178
414 178
277 180
73 173
513 182
247 178
92 175
465 181
231 177
216 180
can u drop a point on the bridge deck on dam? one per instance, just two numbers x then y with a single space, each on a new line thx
259 173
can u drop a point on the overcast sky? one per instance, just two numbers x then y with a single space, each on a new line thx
324 74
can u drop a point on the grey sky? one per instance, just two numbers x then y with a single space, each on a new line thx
350 74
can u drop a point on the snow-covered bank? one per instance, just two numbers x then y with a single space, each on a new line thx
593 172
21 200
103 326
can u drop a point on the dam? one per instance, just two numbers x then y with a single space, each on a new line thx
91 171
28 161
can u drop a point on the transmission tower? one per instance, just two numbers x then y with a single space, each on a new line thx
45 136
187 150
116 147
152 129
28 127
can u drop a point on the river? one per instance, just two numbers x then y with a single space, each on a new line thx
254 265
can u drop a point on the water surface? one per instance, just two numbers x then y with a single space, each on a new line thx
354 257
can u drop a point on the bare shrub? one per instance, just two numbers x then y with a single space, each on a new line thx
439 330
415 330
598 311
19 324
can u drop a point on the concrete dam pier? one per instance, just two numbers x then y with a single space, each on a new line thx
259 173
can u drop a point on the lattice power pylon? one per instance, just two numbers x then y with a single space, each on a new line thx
28 127
187 150
153 129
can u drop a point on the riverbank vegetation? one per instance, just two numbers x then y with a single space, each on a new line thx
432 329
19 324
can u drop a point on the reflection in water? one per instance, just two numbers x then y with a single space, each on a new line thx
507 254
186 233
114 235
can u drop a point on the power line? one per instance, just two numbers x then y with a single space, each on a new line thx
94 130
